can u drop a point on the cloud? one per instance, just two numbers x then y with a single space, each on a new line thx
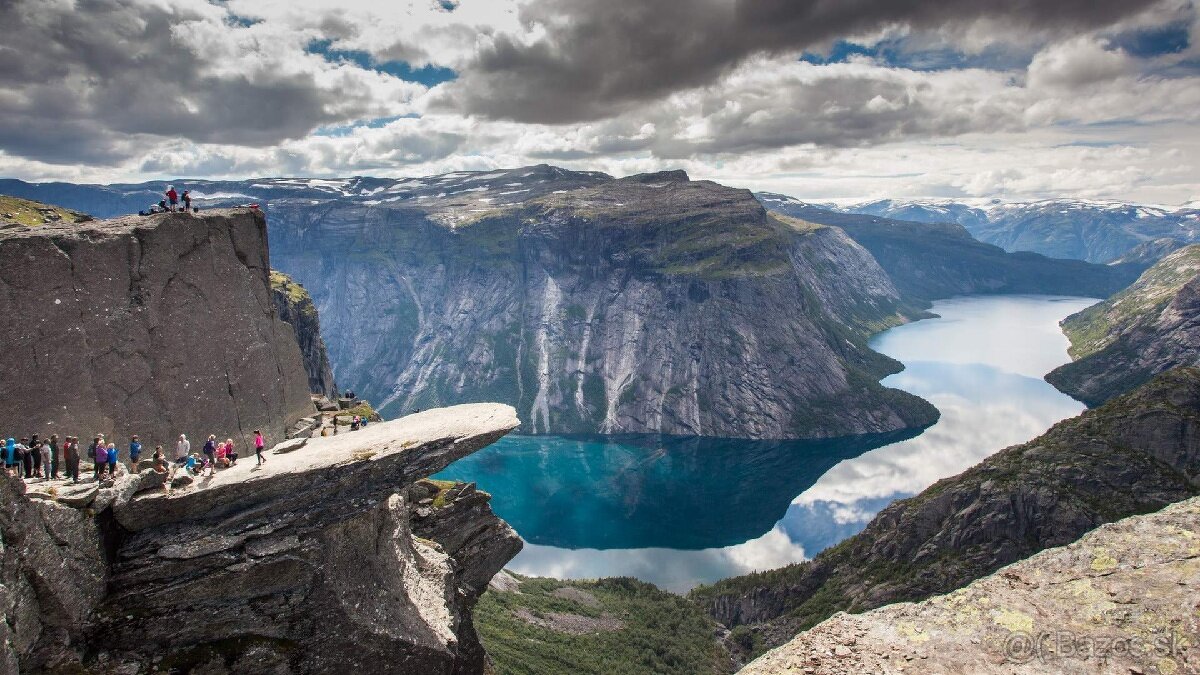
586 60
95 81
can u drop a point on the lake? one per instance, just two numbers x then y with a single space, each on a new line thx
679 511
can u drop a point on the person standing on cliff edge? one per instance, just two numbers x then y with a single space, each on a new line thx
173 197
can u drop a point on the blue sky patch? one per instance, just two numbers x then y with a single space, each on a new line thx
339 130
905 53
1171 38
426 75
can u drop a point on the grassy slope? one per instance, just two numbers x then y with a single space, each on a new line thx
1099 326
663 633
31 214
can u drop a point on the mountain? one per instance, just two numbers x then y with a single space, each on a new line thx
1053 612
644 304
1152 326
930 260
1096 231
1135 454
1143 256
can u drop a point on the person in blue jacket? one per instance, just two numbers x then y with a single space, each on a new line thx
135 451
10 453
112 460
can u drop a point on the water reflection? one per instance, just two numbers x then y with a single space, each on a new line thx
677 512
651 491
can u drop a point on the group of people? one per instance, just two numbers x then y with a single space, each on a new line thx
33 457
170 202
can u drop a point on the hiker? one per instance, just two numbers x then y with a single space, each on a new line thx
187 201
354 423
222 455
99 456
183 449
110 454
71 453
173 197
160 460
10 454
26 460
362 423
35 455
53 447
259 443
210 449
190 462
230 452
45 460
135 452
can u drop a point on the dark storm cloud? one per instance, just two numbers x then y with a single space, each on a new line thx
94 80
601 57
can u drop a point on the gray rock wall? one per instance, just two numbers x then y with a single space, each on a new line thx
633 306
154 325
296 308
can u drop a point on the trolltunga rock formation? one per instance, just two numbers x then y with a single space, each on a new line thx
154 325
330 558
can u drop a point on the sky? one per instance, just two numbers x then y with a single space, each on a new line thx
820 99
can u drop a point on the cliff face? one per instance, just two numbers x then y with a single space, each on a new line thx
1152 326
155 325
940 259
295 307
1120 600
648 304
1135 454
330 558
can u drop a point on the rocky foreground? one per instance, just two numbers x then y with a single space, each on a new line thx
1124 599
335 556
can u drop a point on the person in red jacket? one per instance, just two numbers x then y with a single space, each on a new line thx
172 197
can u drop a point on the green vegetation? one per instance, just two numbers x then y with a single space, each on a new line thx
1099 326
32 214
296 294
608 626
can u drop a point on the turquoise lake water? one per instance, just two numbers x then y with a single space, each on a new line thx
682 511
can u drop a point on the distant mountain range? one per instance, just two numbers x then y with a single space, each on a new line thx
595 304
1095 231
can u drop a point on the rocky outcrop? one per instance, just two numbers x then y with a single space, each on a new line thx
52 576
940 259
1152 326
646 304
1134 455
1120 600
322 560
295 307
154 325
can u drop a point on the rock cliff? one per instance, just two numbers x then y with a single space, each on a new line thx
1120 600
295 307
332 557
1149 327
1133 455
154 325
646 304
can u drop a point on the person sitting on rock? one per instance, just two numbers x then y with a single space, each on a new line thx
192 461
354 423
222 458
230 452
159 459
